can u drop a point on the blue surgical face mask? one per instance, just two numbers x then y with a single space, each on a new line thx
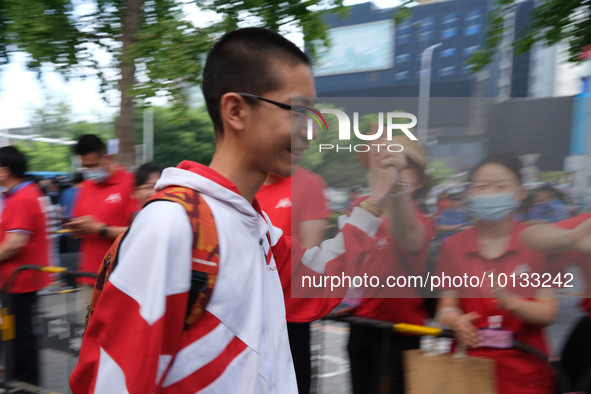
97 174
493 207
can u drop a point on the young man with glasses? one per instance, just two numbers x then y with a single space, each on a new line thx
240 343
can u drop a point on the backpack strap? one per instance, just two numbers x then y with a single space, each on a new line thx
107 266
205 252
205 257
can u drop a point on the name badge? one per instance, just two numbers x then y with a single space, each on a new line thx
498 339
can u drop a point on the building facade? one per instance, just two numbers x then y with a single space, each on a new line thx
372 56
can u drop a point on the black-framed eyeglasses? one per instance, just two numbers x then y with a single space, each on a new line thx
295 108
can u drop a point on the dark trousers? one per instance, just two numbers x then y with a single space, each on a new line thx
26 354
576 356
376 360
299 342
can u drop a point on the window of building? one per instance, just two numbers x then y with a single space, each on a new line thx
467 68
426 35
447 33
404 27
427 23
400 75
471 30
445 71
447 52
403 57
450 18
470 50
473 16
403 39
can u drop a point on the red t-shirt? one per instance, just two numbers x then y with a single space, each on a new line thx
395 304
23 211
517 372
301 198
580 259
443 204
110 202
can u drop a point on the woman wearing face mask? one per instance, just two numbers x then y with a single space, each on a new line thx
492 248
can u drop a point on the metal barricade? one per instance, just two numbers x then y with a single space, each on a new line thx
58 323
385 329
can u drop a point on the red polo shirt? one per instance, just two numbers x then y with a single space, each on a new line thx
517 372
23 212
580 259
294 200
109 202
289 202
390 258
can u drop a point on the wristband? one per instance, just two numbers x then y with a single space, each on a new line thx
103 231
369 207
402 188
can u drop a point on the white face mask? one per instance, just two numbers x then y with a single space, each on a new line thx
493 207
98 175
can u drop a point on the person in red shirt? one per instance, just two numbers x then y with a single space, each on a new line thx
24 240
402 248
297 205
146 177
104 207
572 236
493 246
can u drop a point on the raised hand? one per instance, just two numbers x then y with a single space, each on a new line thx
385 168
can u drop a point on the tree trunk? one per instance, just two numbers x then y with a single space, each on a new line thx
124 127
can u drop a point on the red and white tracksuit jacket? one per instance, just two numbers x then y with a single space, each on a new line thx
135 342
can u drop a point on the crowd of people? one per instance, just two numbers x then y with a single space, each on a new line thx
45 218
252 334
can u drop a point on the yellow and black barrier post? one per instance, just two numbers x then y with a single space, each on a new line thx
400 328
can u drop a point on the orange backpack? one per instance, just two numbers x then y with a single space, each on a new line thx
205 255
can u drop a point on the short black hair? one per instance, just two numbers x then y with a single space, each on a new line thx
507 160
12 158
242 61
90 143
144 171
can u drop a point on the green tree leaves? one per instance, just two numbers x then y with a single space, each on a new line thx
154 49
192 140
553 21
42 156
